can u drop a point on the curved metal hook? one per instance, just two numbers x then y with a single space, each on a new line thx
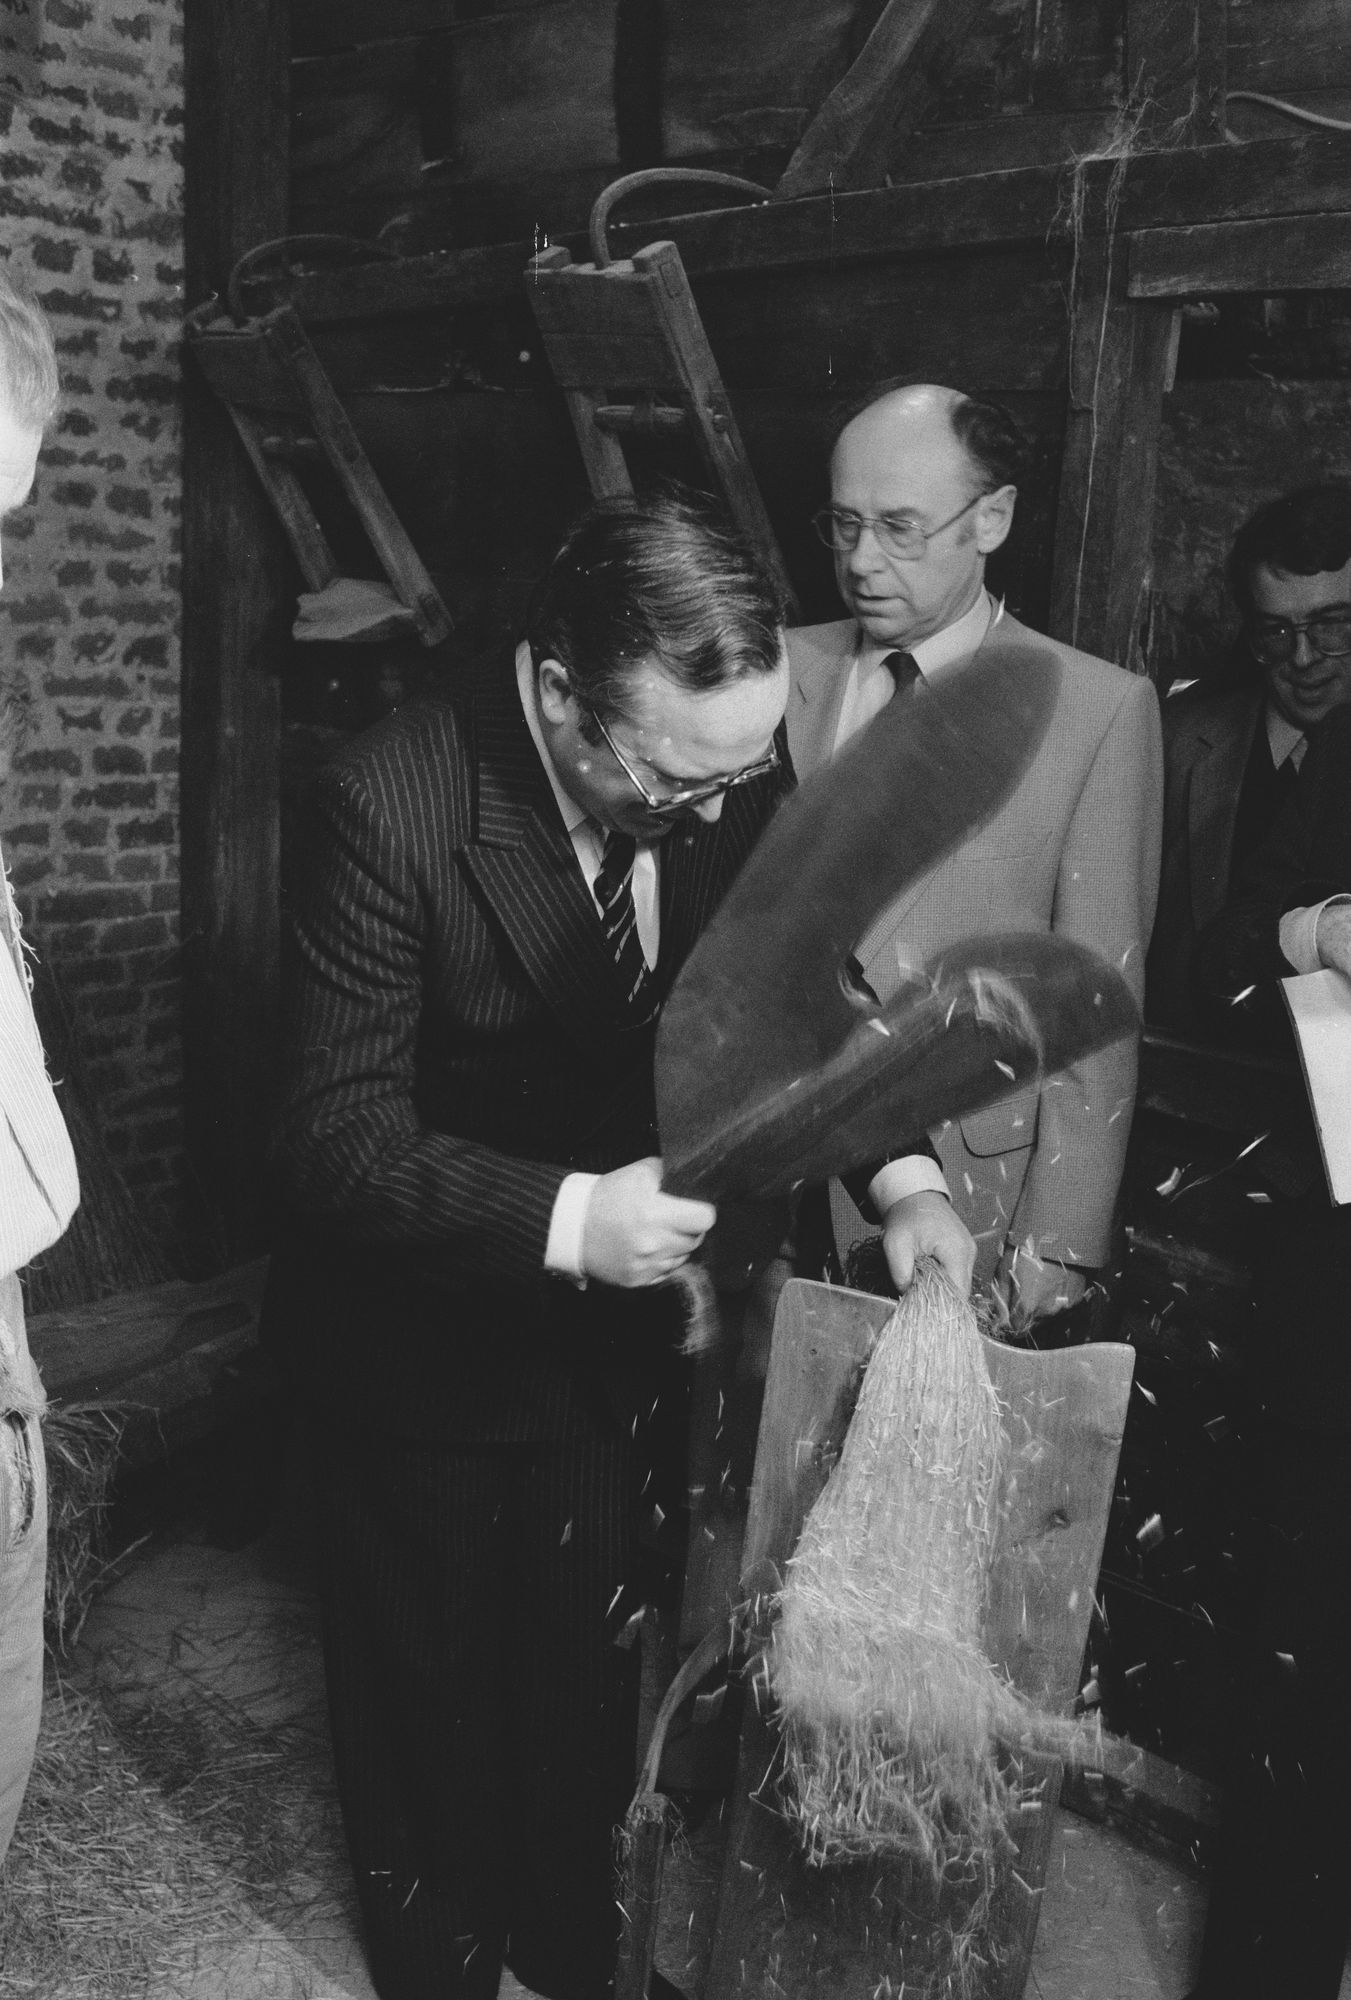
654 177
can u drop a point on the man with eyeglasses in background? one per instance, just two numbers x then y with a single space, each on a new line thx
1231 752
923 485
499 887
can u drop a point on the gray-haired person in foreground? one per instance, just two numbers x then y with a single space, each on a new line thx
38 1185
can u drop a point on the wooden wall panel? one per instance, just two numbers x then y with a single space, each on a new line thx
320 26
993 318
735 78
1285 45
234 569
485 127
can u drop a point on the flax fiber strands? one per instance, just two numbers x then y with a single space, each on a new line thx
891 1713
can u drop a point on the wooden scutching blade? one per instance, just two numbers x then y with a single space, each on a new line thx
764 999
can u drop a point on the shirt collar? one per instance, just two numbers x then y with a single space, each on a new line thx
1283 737
955 642
573 814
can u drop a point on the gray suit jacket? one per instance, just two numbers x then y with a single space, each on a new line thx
1075 850
1206 744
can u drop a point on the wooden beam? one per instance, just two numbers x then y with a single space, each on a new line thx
236 583
1143 1795
1175 57
881 98
167 1358
1120 358
1286 253
1268 177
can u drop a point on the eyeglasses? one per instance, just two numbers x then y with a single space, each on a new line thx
1273 643
685 796
897 535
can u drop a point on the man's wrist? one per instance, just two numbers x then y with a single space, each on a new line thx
914 1173
567 1228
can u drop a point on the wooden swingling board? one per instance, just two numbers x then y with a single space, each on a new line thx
841 1934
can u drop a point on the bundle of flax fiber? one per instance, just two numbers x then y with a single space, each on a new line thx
892 1716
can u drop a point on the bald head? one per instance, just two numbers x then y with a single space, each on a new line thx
917 455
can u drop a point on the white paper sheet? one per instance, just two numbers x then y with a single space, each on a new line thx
1320 1008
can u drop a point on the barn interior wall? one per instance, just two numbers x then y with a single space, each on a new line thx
91 105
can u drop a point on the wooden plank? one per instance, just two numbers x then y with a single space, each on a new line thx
835 1930
282 485
1120 354
832 332
1143 1795
1017 1901
321 26
1300 253
235 583
1289 46
1299 176
881 99
1065 1414
168 1356
333 428
748 77
703 394
1174 55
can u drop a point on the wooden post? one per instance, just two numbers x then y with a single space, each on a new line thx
1176 60
237 592
1120 361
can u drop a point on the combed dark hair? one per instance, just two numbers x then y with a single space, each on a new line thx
1303 533
984 429
656 579
29 383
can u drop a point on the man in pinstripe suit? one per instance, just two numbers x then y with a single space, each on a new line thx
478 1233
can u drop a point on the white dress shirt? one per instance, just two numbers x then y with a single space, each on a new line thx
870 687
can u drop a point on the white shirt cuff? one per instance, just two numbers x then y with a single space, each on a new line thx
563 1251
913 1174
1299 934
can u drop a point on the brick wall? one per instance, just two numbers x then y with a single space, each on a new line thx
91 107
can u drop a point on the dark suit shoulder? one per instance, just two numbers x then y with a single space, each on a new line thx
416 768
1204 715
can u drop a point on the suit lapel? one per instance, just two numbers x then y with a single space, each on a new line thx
821 657
1213 789
524 863
877 944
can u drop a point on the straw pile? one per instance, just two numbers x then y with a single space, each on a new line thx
172 1851
81 1441
892 1716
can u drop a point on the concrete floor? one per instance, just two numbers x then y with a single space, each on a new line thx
232 1635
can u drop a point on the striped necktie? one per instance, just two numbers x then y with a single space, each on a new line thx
903 668
613 890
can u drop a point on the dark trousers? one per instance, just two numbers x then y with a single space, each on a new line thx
1280 1902
483 1718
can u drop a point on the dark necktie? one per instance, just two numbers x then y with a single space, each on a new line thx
903 668
613 890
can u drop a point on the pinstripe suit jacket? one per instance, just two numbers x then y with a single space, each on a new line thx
1075 850
458 1044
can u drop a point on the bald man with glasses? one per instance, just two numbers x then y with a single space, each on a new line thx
923 486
